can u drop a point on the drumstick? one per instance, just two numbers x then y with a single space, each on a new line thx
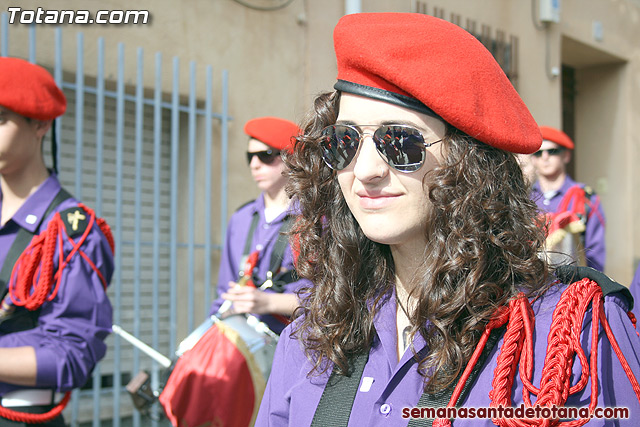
149 351
249 264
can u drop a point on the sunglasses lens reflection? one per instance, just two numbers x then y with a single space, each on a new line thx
339 146
402 147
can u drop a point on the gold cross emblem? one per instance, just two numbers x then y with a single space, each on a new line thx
74 218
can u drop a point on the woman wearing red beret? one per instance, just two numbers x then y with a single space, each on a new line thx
431 301
56 260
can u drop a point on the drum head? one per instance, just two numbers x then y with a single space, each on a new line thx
221 379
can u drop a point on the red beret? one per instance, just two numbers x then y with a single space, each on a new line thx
29 90
275 132
557 136
425 63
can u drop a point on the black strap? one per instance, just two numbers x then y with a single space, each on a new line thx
572 273
252 230
334 408
441 399
277 255
54 146
22 240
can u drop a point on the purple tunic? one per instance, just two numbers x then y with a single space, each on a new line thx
635 292
388 386
264 239
594 238
69 337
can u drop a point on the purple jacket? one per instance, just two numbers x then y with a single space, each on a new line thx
388 386
264 239
69 337
635 292
594 237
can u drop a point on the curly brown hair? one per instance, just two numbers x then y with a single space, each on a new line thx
483 234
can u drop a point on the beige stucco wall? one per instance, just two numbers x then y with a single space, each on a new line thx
277 62
607 114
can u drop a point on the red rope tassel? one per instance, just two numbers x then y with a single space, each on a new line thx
23 417
516 355
32 283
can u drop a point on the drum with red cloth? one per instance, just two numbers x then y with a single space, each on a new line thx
221 374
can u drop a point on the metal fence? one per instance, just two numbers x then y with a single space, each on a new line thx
142 157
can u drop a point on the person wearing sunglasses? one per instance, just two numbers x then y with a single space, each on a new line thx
257 228
559 196
423 247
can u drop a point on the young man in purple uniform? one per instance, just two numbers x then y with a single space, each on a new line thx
56 260
556 193
257 227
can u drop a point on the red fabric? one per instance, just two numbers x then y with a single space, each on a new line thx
516 355
442 66
29 90
273 131
29 418
560 219
557 136
211 384
33 278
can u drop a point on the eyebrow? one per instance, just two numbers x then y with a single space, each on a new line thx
384 123
423 129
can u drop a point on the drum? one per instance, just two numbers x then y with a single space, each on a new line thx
221 373
564 243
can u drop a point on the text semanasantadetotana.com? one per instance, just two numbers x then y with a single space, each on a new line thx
52 16
519 412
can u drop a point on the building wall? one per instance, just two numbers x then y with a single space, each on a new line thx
279 60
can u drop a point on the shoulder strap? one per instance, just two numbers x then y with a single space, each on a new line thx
441 399
22 240
252 229
572 273
334 408
281 244
278 250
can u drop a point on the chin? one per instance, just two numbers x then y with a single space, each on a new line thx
262 186
385 238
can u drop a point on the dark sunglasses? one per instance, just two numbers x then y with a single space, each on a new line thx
267 157
402 147
550 151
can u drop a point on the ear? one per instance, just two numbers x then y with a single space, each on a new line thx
566 156
42 127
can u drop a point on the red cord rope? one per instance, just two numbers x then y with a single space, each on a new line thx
32 284
516 355
23 417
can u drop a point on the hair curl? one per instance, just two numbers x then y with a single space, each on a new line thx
483 234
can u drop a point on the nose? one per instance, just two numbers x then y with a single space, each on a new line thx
255 162
369 165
